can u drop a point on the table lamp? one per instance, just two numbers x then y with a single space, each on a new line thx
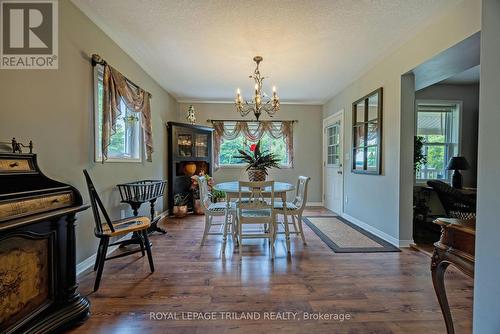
457 164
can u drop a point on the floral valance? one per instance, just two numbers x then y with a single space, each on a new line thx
117 88
253 131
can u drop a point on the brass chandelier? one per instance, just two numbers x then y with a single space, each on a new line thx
260 101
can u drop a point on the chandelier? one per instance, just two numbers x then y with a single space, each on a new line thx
260 101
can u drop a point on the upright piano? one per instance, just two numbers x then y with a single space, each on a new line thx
38 288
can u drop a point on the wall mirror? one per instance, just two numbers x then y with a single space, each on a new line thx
367 134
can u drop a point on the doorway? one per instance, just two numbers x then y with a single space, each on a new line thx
333 153
440 103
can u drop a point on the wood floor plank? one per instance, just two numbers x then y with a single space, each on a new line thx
382 292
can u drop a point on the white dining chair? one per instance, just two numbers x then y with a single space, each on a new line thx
254 209
211 210
294 209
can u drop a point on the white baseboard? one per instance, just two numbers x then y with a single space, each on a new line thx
405 243
390 239
314 204
89 262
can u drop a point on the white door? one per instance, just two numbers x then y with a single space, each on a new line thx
333 178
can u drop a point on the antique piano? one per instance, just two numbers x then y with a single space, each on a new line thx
38 288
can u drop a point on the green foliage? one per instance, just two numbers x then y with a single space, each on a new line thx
128 119
229 149
261 160
216 194
419 158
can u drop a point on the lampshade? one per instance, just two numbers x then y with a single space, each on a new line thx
458 163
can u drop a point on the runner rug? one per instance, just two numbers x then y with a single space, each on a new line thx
343 236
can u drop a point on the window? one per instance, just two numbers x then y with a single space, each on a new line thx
439 125
229 147
126 143
333 145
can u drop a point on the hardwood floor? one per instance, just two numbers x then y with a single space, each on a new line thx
382 292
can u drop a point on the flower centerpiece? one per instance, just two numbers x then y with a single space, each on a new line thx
195 190
258 162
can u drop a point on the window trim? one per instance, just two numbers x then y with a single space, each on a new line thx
98 158
459 103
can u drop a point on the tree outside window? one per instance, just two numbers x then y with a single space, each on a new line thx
438 123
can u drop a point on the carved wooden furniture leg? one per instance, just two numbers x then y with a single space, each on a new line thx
154 220
438 269
456 247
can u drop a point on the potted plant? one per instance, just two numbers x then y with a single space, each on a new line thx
419 158
180 205
258 162
218 195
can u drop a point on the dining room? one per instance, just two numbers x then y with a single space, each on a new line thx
248 166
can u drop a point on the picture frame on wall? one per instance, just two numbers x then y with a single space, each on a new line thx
367 134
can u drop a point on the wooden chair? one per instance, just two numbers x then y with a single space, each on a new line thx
255 209
294 209
212 210
108 229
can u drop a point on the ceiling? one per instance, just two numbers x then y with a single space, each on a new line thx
203 50
468 77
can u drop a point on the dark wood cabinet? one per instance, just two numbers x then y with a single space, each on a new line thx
38 287
189 153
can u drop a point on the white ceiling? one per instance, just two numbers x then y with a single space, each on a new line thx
202 50
470 76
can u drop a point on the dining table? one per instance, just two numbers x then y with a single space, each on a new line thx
232 191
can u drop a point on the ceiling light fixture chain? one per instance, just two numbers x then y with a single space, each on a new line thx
256 105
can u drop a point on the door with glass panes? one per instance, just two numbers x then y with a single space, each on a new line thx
332 163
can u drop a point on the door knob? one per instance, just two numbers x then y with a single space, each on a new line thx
339 172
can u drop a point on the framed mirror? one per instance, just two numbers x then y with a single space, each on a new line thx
367 134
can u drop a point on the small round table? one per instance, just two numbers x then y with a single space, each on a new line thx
232 191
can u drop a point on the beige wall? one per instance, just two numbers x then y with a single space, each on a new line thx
375 199
54 109
307 141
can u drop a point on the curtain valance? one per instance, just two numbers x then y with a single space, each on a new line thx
116 88
253 131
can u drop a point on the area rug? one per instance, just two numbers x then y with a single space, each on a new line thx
343 236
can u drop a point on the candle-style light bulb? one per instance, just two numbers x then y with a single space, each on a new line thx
274 89
238 91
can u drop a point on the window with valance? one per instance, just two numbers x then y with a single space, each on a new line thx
122 116
275 136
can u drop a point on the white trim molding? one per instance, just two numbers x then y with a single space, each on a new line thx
89 262
314 204
390 239
405 243
298 102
